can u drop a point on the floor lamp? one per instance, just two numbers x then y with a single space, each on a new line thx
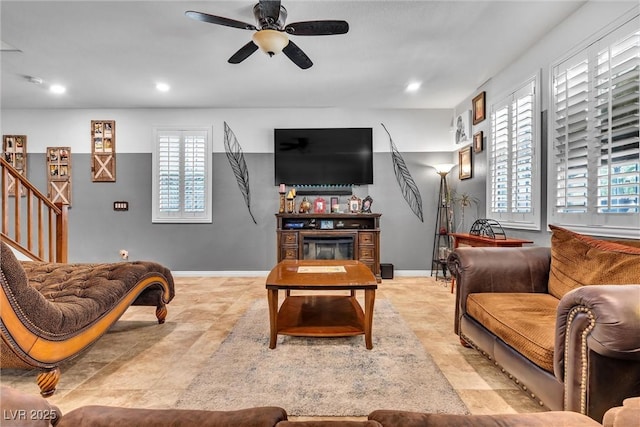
442 240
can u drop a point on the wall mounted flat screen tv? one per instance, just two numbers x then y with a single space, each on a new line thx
326 156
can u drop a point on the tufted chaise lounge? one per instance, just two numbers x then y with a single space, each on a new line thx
51 312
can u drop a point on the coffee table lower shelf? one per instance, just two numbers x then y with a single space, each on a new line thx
320 316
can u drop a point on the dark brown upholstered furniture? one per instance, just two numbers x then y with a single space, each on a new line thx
51 312
549 319
21 410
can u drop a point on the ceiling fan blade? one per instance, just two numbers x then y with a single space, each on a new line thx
317 28
243 53
296 54
270 9
212 19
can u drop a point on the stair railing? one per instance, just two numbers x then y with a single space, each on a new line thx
39 228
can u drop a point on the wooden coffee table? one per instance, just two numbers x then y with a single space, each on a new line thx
321 315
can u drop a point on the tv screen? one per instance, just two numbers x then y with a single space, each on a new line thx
331 156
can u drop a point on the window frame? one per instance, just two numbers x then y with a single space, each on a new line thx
182 217
511 219
591 222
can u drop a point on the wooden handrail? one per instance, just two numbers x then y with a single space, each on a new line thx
30 206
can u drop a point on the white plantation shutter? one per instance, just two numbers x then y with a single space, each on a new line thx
182 170
499 159
595 151
514 177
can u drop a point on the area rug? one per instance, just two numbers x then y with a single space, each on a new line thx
322 376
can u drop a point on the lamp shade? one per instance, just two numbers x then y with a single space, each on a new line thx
443 168
270 42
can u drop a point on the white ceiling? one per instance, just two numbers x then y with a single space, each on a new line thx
110 54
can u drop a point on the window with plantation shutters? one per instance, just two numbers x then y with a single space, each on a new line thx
594 166
514 178
182 170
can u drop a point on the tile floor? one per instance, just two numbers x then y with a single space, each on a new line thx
139 363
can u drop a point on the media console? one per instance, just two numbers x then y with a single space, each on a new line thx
330 236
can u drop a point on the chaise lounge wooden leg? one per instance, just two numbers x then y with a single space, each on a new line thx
161 313
48 380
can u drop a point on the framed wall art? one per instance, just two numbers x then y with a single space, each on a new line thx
59 174
465 165
479 108
103 150
477 142
14 149
463 127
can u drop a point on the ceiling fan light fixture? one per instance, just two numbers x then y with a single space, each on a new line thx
270 42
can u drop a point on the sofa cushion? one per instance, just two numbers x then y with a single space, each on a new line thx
23 410
390 418
579 260
525 321
109 416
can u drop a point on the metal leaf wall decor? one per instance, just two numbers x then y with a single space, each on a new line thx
407 185
238 165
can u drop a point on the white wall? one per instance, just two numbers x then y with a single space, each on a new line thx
412 130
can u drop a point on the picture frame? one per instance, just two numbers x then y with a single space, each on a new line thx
479 108
478 139
354 204
366 204
465 165
335 204
462 127
326 224
318 205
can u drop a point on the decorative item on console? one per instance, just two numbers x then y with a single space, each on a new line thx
319 205
335 205
282 191
366 204
305 206
291 201
354 204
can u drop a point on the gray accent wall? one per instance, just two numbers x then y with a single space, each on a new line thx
232 242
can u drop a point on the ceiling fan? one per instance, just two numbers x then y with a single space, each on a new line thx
271 32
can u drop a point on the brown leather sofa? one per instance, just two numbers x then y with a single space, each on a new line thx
562 322
21 410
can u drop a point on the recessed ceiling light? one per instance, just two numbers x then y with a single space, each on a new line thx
58 89
163 87
414 86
